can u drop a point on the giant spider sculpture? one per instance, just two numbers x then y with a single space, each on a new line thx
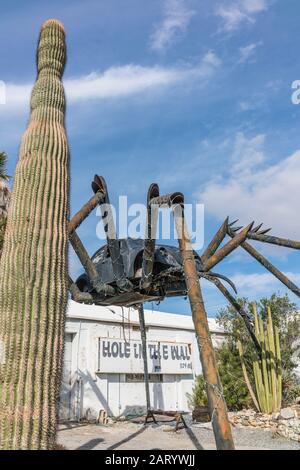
129 272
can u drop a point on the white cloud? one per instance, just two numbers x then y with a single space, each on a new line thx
238 12
248 52
118 82
177 16
254 102
253 190
232 16
261 283
254 6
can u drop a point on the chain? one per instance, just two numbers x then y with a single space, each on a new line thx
220 396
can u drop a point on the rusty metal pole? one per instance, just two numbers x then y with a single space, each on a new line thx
268 265
240 310
216 241
216 401
274 240
149 247
144 354
226 249
85 211
89 266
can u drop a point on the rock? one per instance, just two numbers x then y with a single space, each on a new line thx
287 413
289 428
167 428
253 423
201 414
297 400
245 422
203 425
296 408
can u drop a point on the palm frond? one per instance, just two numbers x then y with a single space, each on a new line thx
3 162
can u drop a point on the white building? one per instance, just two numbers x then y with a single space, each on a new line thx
103 367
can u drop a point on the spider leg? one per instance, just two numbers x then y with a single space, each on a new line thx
220 276
240 310
90 268
154 202
82 254
77 295
85 211
226 249
124 285
262 237
268 265
140 309
215 242
217 406
149 246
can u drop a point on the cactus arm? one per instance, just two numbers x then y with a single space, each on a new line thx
279 368
272 355
246 377
264 366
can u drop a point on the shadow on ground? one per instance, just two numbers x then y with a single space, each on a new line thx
90 444
127 439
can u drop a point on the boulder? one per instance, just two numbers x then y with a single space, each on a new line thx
287 413
201 414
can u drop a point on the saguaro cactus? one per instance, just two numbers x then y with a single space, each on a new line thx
267 369
33 267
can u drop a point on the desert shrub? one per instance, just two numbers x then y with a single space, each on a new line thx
198 396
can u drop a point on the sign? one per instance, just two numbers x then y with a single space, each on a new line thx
119 356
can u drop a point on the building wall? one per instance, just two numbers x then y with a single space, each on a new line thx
86 389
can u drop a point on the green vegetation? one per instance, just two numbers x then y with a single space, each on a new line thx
267 368
198 396
286 320
4 197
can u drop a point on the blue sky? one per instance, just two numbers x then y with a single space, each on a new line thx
195 95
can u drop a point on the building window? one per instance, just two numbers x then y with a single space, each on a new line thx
140 378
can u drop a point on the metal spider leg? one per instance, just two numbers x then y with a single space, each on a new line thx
240 310
262 237
217 405
268 265
77 295
140 308
124 285
149 247
154 202
215 242
83 256
90 269
226 249
85 211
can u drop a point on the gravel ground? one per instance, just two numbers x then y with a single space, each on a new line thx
130 436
